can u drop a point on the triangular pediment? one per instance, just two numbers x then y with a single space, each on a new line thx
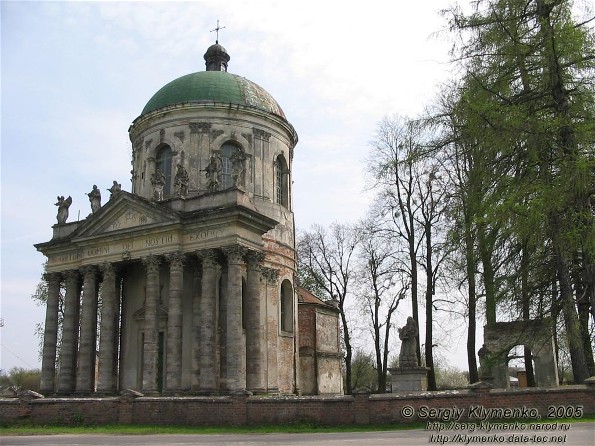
126 212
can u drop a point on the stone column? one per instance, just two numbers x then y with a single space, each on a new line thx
85 376
70 329
255 345
151 328
236 376
108 336
272 327
208 325
174 322
196 327
50 334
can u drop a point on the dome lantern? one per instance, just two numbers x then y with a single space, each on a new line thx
216 58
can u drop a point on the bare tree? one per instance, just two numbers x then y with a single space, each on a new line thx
393 166
327 257
383 283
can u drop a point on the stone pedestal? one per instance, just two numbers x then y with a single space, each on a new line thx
410 379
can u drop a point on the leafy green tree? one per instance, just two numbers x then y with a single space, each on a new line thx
19 378
363 373
527 100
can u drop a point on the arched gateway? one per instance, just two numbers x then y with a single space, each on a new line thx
501 337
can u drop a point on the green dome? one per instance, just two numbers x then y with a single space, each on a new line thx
213 86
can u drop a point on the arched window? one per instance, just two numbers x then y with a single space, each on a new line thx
227 169
281 181
163 163
286 299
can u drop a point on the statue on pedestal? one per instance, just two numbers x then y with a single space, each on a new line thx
63 205
158 182
408 336
238 168
181 181
116 187
95 199
212 174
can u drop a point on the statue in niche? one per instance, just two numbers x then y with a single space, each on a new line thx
95 199
212 172
408 336
181 181
63 205
238 168
116 187
158 182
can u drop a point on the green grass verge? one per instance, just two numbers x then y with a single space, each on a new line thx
305 427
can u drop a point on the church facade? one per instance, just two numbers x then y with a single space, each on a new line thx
186 284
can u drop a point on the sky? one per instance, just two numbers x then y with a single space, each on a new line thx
74 75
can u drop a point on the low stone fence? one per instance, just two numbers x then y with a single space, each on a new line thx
476 404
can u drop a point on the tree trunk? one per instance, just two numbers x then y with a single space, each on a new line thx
471 291
525 296
429 308
580 370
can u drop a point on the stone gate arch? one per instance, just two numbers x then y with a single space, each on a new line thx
500 337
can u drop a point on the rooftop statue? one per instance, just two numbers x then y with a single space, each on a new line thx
95 199
63 205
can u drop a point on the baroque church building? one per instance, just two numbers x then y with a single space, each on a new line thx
187 284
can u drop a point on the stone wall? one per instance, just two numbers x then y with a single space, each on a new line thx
360 408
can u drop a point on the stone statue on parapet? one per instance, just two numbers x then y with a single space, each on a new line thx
158 182
181 181
238 168
116 187
63 205
95 199
408 336
212 173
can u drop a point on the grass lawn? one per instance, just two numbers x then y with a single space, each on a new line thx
29 429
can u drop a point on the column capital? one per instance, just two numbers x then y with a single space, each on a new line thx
52 277
176 259
71 274
270 274
89 270
255 258
209 257
108 270
152 263
235 253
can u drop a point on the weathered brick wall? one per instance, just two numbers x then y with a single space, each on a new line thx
361 408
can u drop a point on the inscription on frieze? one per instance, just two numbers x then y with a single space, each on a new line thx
205 235
158 241
67 257
97 251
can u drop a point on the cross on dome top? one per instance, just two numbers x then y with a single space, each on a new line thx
217 31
